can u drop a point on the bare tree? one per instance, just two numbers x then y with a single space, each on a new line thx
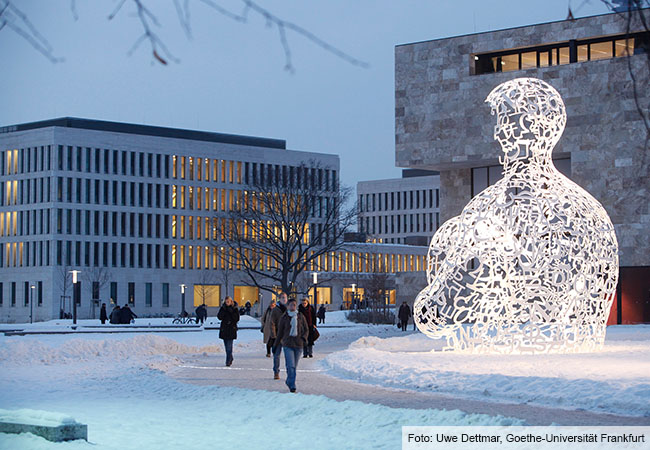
226 270
96 278
282 226
14 19
207 286
64 282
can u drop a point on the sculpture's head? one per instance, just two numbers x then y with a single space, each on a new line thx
530 117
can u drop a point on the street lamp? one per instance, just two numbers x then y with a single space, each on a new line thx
315 280
31 305
76 294
182 299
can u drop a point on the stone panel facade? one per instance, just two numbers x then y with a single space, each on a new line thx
442 122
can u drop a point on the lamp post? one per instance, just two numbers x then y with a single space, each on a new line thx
315 280
76 294
182 299
31 305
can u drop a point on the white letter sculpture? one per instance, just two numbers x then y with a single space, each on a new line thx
531 263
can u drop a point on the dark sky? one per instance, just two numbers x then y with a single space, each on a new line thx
230 77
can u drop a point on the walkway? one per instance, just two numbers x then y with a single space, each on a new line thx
253 371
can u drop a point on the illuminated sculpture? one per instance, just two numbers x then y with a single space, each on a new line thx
531 263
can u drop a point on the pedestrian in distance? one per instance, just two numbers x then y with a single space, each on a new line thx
321 314
276 315
201 312
403 315
229 316
126 315
293 332
310 316
103 316
115 315
267 328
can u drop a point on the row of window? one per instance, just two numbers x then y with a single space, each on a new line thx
400 223
34 159
25 191
25 254
140 164
31 292
562 53
394 201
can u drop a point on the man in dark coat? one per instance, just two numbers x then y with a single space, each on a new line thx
276 314
403 315
292 336
308 312
103 317
321 314
229 316
126 315
115 315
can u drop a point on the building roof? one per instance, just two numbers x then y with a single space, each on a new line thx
147 130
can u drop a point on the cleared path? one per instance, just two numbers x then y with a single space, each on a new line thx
254 371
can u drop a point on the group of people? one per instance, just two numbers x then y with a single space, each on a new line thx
285 326
119 315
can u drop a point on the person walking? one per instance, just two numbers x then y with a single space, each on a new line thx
115 315
267 328
292 336
229 316
103 317
403 315
310 316
276 315
126 315
321 314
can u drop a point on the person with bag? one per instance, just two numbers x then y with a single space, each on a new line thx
229 316
276 315
310 316
293 332
267 328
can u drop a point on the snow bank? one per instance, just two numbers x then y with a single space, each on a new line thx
28 352
616 380
35 417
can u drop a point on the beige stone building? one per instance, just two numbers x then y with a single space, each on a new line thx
443 124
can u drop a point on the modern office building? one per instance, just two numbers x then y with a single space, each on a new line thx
443 124
400 210
139 210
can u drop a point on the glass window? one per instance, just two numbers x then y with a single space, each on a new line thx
601 50
545 59
624 47
509 63
210 294
583 53
528 60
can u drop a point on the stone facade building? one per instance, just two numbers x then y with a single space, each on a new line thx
443 124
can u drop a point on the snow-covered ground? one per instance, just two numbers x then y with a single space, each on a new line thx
615 380
116 384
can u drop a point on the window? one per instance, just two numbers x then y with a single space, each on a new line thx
573 51
113 289
147 294
131 293
165 295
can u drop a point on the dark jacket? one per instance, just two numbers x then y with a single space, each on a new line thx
284 332
310 317
201 312
229 316
321 312
404 313
126 314
102 314
115 315
276 315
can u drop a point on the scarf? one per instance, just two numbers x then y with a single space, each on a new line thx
294 323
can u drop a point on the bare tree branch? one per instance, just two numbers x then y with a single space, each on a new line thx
15 20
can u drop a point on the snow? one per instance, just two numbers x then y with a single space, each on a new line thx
615 380
35 417
115 383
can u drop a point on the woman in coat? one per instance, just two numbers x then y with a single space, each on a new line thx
308 312
229 316
267 328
